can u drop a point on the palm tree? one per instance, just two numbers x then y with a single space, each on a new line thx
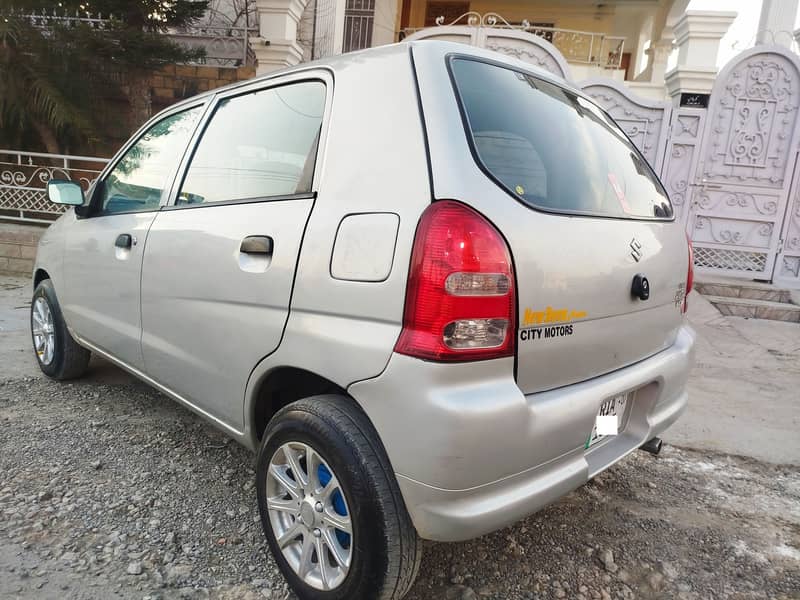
56 80
36 93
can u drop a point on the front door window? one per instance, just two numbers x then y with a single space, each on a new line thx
138 180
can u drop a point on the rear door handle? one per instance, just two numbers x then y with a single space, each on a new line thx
257 244
125 240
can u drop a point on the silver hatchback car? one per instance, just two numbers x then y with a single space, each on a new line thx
433 288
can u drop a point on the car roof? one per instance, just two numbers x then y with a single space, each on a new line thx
352 59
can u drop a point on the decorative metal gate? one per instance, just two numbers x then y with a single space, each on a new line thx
787 267
747 161
24 177
645 121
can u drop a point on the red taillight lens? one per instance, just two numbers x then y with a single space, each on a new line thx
689 275
460 301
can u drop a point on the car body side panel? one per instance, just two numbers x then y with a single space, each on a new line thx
209 311
100 293
374 161
50 253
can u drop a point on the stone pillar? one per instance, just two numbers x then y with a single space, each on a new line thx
338 29
276 46
657 56
697 36
776 22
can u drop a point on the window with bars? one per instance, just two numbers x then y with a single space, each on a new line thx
359 20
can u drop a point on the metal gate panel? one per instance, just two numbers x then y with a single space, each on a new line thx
746 166
645 121
526 47
447 33
680 158
787 268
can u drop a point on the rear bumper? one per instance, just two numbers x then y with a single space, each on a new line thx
472 454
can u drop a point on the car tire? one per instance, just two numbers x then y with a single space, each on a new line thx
66 359
385 549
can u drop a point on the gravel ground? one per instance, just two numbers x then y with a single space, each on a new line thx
114 491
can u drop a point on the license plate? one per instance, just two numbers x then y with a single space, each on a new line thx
613 407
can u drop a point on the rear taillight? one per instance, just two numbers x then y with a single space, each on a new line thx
689 275
460 301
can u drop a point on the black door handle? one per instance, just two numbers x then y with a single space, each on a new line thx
256 244
124 240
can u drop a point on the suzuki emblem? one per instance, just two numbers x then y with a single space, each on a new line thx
636 249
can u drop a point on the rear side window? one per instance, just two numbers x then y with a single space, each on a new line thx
257 145
551 148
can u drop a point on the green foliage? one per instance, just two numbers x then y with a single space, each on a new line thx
54 79
35 88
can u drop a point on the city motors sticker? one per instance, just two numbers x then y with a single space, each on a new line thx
549 323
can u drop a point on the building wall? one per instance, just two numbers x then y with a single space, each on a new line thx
176 82
18 248
167 86
316 31
386 21
631 20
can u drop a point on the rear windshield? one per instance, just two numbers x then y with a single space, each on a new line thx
553 149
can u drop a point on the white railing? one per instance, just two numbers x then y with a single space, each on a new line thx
24 177
46 19
584 47
224 45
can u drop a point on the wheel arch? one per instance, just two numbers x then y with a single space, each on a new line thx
277 388
39 276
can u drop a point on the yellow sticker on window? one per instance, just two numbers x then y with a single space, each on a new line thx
520 190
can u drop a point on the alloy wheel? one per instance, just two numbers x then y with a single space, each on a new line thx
309 515
44 338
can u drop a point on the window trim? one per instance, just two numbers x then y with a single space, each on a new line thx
93 210
321 75
467 129
255 200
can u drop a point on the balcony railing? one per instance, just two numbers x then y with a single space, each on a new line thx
24 177
583 47
225 46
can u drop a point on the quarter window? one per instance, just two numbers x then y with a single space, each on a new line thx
137 181
257 145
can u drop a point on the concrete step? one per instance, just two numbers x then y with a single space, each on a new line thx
756 309
751 290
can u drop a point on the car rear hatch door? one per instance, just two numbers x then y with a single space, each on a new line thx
600 262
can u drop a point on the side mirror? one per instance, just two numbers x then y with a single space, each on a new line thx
63 191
